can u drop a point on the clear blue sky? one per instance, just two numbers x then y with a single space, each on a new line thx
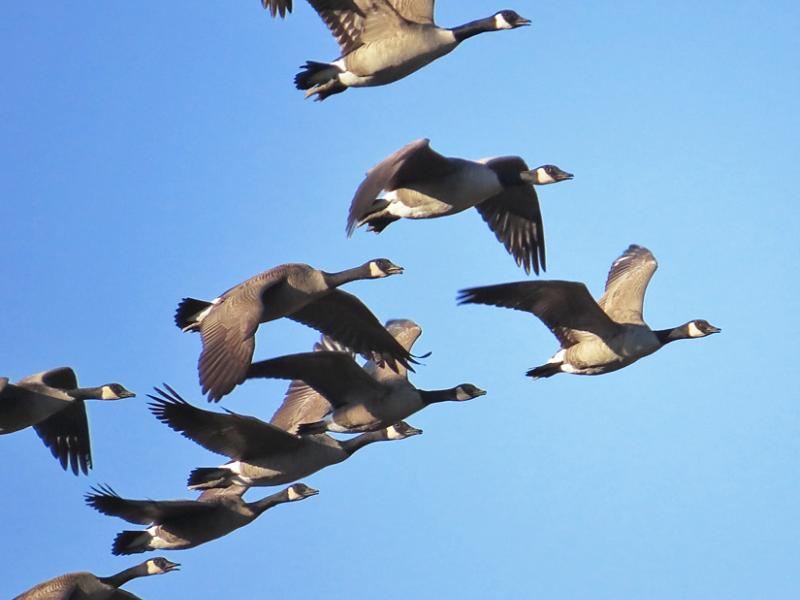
156 150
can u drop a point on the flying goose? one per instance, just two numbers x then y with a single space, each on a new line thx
53 404
596 337
181 524
383 40
87 586
358 401
420 183
262 454
300 292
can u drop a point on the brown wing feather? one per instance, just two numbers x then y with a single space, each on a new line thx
277 7
516 220
417 11
144 512
626 285
346 319
565 307
66 433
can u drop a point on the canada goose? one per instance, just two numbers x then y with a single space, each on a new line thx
53 404
300 292
359 402
181 524
262 454
420 183
383 40
596 337
87 586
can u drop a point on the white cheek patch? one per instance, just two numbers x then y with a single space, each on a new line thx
375 270
543 177
694 331
393 434
293 495
500 22
152 568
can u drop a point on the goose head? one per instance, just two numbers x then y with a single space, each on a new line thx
400 431
115 391
382 267
509 19
160 565
545 174
700 328
300 491
467 391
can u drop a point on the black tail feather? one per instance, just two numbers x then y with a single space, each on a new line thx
545 370
378 224
130 542
187 311
204 478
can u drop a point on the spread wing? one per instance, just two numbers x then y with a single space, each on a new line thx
626 285
565 307
413 162
356 22
144 512
335 375
514 217
228 331
347 320
302 403
236 436
406 332
66 433
417 11
277 7
63 378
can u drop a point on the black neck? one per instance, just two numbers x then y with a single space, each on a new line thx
89 393
342 277
125 576
266 503
433 396
665 336
467 30
362 440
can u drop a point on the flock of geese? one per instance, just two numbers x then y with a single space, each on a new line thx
381 41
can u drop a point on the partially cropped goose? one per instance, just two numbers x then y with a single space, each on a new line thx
53 404
420 183
87 586
262 454
181 524
300 292
596 337
359 402
383 40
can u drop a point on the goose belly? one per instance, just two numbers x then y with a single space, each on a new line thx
389 59
603 356
288 467
444 196
377 414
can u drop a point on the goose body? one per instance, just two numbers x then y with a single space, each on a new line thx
596 337
358 401
382 41
87 586
262 454
181 524
52 403
420 183
300 292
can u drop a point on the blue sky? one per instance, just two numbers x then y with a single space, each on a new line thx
158 150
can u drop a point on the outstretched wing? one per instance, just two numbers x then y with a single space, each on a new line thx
565 307
144 512
236 436
277 7
66 433
626 285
